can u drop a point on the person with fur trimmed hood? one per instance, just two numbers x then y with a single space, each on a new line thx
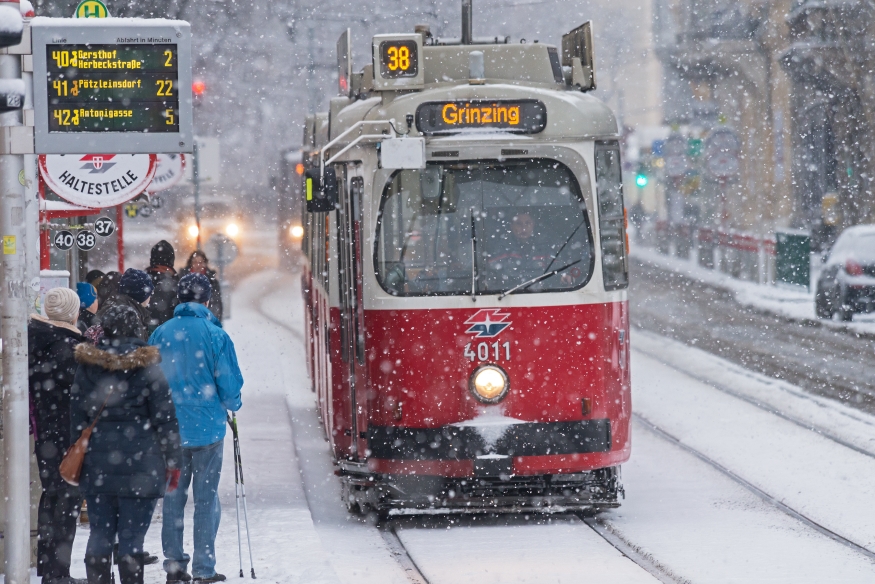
51 368
134 453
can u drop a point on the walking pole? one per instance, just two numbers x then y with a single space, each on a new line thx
237 496
243 493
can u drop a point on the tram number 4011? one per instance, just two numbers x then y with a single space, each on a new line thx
497 351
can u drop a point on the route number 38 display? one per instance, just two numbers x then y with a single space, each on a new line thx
398 59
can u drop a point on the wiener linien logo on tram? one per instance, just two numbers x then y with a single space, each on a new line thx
487 323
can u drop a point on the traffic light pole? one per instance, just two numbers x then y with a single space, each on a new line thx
13 330
196 178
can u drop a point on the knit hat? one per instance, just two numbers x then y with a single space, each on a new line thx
194 288
62 304
137 284
162 255
120 320
87 294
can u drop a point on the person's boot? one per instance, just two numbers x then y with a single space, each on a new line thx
99 569
130 569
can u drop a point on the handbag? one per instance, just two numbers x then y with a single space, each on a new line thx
71 465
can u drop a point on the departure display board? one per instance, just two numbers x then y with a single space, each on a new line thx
112 86
521 116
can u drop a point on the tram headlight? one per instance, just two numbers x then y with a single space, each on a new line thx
489 384
193 230
232 229
296 231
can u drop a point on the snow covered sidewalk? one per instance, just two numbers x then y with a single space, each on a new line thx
792 304
285 544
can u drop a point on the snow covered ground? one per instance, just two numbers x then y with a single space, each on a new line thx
697 507
791 303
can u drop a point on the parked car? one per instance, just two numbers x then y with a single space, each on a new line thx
847 281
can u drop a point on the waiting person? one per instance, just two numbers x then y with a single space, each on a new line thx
134 290
165 281
199 264
87 305
51 368
94 277
200 363
107 287
134 452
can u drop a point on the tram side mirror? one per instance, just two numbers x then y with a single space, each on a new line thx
320 191
11 26
577 53
11 94
403 153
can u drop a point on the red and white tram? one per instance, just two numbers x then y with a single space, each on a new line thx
466 277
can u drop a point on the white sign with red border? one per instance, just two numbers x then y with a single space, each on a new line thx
171 169
98 180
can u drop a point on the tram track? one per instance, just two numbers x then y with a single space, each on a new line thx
753 489
768 408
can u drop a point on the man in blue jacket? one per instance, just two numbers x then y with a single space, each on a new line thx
200 364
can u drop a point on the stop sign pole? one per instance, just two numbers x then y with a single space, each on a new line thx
13 328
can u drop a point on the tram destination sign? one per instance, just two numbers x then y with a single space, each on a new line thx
115 85
520 116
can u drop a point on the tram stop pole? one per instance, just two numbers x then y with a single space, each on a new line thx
13 330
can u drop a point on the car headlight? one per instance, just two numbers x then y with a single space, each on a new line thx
232 229
193 230
489 384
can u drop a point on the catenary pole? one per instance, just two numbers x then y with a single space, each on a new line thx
13 330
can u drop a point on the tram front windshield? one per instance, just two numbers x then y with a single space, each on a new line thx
483 227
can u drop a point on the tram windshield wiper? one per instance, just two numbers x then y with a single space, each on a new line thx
537 279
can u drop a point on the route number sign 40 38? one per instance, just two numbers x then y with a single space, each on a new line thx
488 351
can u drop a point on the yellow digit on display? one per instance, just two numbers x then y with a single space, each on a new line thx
403 58
392 52
169 55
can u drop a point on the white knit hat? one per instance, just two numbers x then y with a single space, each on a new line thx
62 304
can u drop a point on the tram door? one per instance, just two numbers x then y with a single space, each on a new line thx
352 334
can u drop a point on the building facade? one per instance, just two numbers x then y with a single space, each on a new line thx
793 80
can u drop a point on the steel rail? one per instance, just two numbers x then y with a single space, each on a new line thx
762 406
767 498
401 555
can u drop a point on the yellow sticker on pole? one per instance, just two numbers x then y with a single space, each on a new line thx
8 245
309 189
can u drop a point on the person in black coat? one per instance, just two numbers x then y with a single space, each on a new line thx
107 287
165 282
199 264
133 455
51 369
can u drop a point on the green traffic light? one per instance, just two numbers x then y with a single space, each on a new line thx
641 180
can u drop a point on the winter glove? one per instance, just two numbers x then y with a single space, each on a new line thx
172 477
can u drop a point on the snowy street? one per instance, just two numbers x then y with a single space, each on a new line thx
734 477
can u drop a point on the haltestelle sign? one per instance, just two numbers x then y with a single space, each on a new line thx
98 180
170 171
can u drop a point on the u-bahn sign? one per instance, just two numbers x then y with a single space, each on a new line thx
112 85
